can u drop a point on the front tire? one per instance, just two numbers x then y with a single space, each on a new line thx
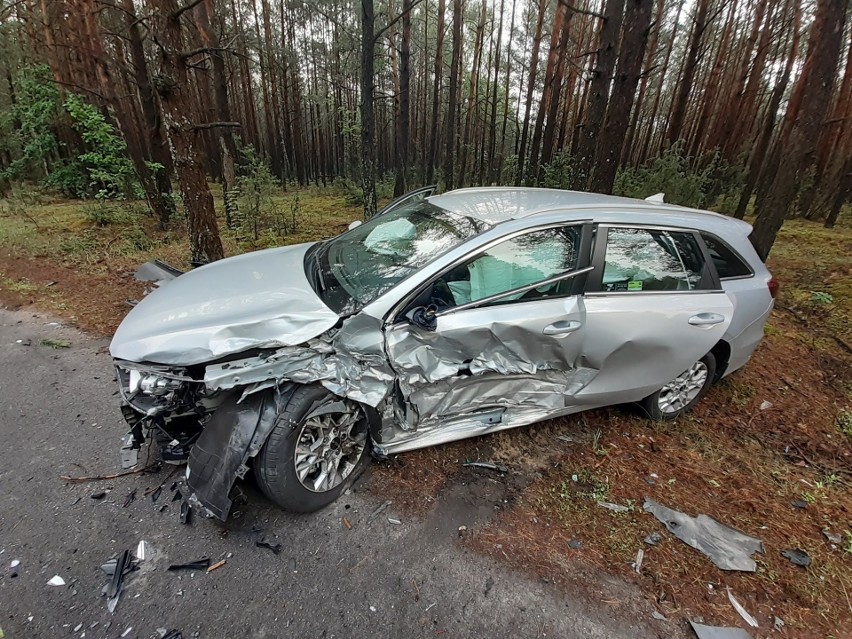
683 392
318 447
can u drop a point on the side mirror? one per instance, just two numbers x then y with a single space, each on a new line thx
355 224
426 317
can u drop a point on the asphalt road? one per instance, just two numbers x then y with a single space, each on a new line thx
59 416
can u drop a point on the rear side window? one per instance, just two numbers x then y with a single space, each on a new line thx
652 260
728 263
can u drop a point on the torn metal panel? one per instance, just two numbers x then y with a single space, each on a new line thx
350 362
718 632
729 549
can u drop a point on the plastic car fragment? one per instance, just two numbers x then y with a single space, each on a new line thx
718 632
729 549
157 272
200 564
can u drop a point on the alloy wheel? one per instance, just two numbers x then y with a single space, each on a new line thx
680 392
329 447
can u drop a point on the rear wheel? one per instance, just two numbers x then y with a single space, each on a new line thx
683 392
316 450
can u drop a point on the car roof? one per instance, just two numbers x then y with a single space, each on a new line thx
495 205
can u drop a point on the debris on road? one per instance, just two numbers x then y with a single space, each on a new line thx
741 611
500 468
263 543
185 512
56 581
127 632
153 468
156 494
718 632
727 548
395 522
653 539
835 539
131 497
637 563
13 568
617 508
98 495
113 591
217 565
200 564
141 551
378 511
797 556
172 634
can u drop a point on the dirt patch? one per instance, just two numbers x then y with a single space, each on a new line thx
744 466
94 302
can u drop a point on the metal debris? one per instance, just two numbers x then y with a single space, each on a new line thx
653 539
740 610
637 563
797 556
113 591
378 511
395 522
131 497
500 468
185 512
141 551
263 543
56 581
718 632
156 494
835 539
200 564
617 508
727 548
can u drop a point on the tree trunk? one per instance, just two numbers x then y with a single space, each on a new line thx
450 127
436 93
611 139
471 97
164 207
368 142
173 87
816 82
599 88
522 149
684 87
404 128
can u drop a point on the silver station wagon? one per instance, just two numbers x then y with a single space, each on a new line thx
443 317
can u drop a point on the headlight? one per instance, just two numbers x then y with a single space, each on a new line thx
156 385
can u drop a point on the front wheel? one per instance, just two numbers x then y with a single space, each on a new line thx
317 448
683 392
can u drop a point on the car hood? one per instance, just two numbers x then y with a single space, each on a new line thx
256 300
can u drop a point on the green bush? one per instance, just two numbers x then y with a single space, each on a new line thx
673 174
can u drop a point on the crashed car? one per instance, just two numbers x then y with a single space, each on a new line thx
443 317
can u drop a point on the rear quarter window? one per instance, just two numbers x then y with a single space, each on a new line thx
728 263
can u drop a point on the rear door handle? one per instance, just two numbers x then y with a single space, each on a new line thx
562 327
706 319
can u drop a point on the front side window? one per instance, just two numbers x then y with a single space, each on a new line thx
652 260
353 269
512 264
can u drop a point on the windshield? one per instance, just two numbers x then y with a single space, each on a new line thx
353 269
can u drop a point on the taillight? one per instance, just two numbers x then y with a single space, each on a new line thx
773 287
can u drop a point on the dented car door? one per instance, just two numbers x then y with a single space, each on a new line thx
654 306
495 340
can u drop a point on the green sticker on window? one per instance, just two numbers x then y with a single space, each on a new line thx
634 285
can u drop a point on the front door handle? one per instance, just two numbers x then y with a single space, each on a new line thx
706 319
562 327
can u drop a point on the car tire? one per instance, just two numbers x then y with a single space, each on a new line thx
683 392
278 466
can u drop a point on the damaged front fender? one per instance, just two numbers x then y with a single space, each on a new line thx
235 433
